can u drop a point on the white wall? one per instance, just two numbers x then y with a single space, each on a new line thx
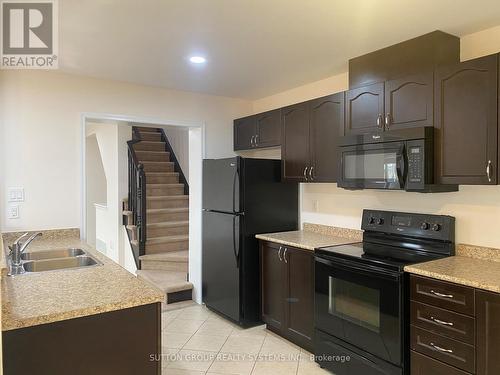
178 138
477 208
41 126
112 139
95 185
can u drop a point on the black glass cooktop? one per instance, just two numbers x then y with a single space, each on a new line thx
378 255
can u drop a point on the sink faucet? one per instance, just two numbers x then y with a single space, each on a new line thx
17 249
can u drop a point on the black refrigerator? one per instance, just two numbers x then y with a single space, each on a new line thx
241 198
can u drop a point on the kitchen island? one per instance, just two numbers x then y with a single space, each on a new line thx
90 320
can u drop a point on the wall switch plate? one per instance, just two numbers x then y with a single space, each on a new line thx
15 195
13 211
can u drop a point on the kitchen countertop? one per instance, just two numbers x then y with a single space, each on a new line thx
313 236
473 266
46 297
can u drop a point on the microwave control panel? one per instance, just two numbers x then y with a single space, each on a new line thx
415 164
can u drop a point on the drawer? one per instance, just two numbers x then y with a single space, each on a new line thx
446 350
450 324
442 294
423 365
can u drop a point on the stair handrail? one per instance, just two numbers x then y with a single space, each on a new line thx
137 203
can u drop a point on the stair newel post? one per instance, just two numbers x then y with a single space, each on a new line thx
141 208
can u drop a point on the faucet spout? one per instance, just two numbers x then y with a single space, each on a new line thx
18 248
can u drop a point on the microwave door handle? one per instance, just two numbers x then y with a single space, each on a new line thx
401 166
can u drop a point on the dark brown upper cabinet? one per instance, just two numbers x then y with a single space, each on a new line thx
326 127
311 131
258 131
466 103
295 142
409 102
268 131
365 109
244 131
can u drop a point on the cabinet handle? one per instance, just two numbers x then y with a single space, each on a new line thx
279 254
256 140
387 120
311 176
284 255
380 118
442 294
305 174
488 170
253 141
442 322
440 349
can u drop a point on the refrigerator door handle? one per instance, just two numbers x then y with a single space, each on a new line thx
235 244
236 176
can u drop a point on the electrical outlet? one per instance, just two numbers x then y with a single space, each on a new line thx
15 195
316 205
13 211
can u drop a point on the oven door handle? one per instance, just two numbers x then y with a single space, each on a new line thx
345 265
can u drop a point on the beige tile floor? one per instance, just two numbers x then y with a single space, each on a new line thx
196 341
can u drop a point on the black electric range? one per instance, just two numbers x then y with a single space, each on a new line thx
361 291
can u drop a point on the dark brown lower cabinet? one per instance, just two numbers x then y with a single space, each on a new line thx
488 332
125 342
455 329
287 290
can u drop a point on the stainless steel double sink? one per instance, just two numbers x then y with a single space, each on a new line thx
52 260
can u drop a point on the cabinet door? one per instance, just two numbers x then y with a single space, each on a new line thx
488 332
327 126
295 142
409 102
466 121
272 284
299 292
244 133
365 109
268 129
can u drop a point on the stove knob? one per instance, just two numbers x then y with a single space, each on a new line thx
371 220
424 226
380 221
436 227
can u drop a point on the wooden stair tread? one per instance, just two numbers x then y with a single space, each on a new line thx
147 129
168 197
166 210
163 174
168 224
152 162
167 239
157 186
173 256
168 281
149 142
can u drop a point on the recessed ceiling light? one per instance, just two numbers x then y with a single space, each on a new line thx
197 59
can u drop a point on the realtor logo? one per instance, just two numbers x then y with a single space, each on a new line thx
29 35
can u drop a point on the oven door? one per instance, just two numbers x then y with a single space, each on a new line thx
361 305
373 166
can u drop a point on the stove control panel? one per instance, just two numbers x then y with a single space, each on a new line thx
440 227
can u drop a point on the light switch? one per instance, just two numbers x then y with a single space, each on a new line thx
16 195
13 211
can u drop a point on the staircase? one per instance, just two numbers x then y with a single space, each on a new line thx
156 214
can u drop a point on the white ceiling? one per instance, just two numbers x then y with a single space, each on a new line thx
254 48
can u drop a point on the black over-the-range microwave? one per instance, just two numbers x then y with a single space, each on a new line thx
392 160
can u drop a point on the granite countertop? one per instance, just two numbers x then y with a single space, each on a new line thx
314 236
46 297
474 266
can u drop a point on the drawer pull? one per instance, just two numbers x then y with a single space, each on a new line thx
442 322
440 349
441 294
